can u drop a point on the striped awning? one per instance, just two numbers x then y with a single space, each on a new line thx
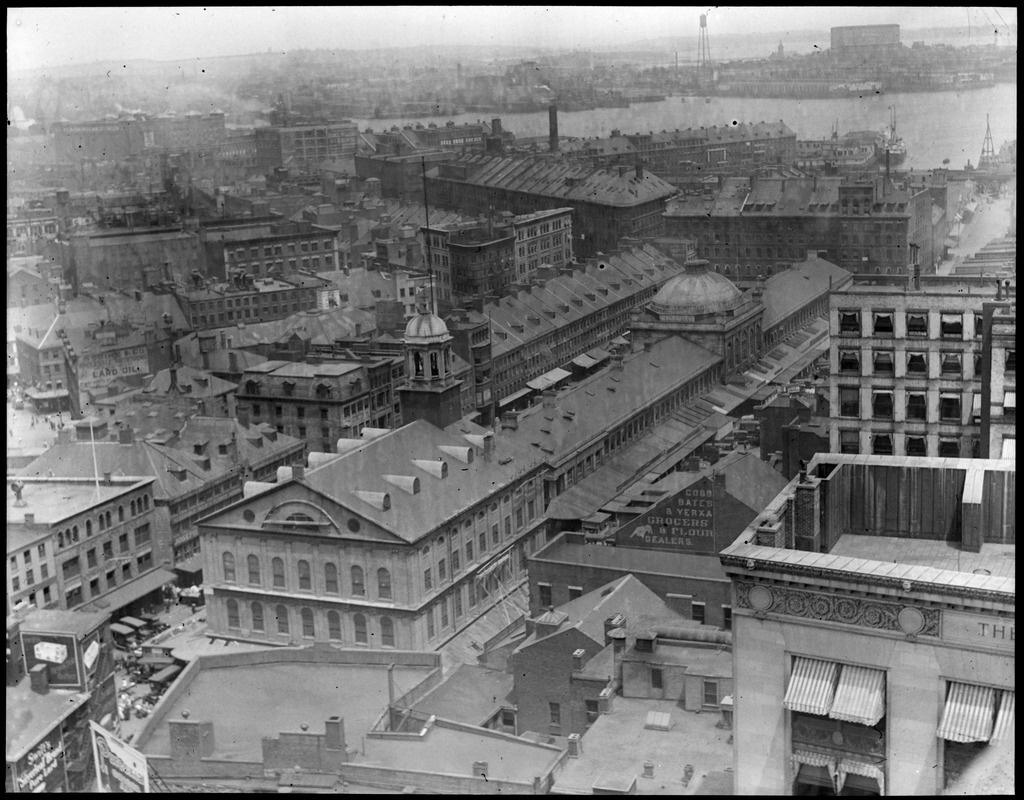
860 696
811 686
1009 448
812 759
1010 400
1004 719
968 714
849 766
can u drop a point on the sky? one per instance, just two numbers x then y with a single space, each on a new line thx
41 37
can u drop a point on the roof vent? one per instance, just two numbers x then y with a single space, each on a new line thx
437 467
409 484
379 500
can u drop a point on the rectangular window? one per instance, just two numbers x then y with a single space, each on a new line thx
74 597
952 365
951 326
917 364
495 536
1011 361
593 711
917 407
441 571
456 566
917 446
882 362
444 612
469 552
122 542
917 324
428 580
457 602
711 694
90 557
431 633
849 323
949 408
544 594
126 571
849 361
883 323
881 405
142 534
849 442
555 714
482 541
575 591
698 612
881 444
949 447
849 401
727 617
979 326
657 679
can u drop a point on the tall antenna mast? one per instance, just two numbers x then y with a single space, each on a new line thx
430 266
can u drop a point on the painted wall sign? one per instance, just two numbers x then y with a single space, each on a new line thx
683 523
96 370
120 768
42 770
59 652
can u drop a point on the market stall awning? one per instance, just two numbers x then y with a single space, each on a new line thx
860 696
133 622
123 595
165 674
156 660
968 714
548 379
121 630
811 686
515 396
584 361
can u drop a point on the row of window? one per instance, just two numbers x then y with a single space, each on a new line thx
304 575
883 362
305 247
913 324
882 405
882 444
75 596
104 520
279 622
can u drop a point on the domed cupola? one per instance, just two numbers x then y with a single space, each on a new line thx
428 344
696 292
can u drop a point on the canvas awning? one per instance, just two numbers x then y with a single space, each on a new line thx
968 714
860 696
850 766
165 674
811 686
140 587
121 630
156 660
1009 448
132 622
548 379
515 396
584 361
1010 400
1004 717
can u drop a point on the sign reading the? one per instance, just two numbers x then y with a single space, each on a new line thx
119 768
976 630
682 523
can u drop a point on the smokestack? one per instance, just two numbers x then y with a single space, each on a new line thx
496 126
553 128
639 171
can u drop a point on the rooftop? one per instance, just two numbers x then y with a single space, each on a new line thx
998 560
247 700
470 694
616 746
30 716
54 499
76 622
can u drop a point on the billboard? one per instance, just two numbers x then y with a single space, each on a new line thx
42 769
119 768
684 523
96 370
59 652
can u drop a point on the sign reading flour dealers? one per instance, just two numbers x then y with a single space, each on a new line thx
684 523
96 370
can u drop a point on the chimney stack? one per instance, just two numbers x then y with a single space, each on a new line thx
107 479
553 128
577 659
39 679
30 519
639 171
125 435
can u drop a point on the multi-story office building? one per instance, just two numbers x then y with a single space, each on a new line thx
607 204
398 542
873 627
268 248
303 148
907 367
321 403
71 541
139 259
196 470
756 226
543 239
999 378
246 301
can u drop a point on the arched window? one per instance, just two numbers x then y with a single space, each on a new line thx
102 525
74 533
277 568
145 502
229 566
304 578
233 621
387 632
334 626
384 583
257 616
110 519
308 630
131 506
360 624
282 619
60 539
331 578
120 513
358 587
254 569
88 528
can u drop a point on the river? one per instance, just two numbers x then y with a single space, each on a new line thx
934 125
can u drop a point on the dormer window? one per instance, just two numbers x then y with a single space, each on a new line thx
252 387
323 390
288 387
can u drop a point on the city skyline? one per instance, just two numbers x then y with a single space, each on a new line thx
52 37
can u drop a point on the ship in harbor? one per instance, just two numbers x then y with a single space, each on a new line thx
893 144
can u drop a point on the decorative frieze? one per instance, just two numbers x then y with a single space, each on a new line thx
909 620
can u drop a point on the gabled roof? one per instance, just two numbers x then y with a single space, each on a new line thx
792 289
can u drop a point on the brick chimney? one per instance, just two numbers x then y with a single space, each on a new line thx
334 738
39 679
125 434
553 128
